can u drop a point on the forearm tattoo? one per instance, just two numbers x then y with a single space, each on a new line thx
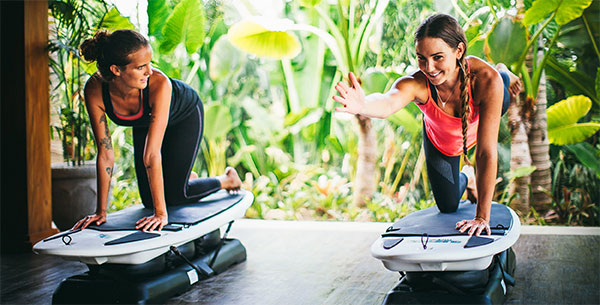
109 171
106 141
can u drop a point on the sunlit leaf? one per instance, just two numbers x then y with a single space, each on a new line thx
566 11
562 121
158 12
521 172
186 24
114 21
265 38
568 111
506 41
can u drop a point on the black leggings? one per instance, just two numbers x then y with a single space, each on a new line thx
179 148
447 182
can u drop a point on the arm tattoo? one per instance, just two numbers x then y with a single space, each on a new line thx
109 171
107 142
152 118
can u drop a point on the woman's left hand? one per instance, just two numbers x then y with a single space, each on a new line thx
477 226
150 223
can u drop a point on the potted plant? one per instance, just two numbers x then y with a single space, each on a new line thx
74 190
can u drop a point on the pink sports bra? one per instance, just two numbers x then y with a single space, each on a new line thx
444 130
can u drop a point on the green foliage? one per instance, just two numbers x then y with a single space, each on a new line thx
185 24
565 11
506 41
562 121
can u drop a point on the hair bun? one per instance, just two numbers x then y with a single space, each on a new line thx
91 48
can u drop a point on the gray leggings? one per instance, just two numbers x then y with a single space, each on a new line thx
447 182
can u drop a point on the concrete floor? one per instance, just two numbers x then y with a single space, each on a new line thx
294 262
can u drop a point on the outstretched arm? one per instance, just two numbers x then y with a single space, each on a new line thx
376 105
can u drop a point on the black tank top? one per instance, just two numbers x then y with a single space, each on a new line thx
183 100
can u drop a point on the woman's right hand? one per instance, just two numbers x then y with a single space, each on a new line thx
352 98
87 220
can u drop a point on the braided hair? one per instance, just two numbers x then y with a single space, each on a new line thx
447 28
108 49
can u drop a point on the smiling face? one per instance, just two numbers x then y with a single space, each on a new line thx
136 73
438 60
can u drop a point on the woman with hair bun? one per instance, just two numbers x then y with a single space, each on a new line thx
167 119
462 99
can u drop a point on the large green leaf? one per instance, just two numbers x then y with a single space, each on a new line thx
265 37
114 21
218 122
562 121
587 154
186 24
566 10
225 60
506 41
521 172
158 12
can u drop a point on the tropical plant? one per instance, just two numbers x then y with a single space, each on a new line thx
510 43
72 21
346 39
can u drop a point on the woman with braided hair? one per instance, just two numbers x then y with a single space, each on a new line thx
462 99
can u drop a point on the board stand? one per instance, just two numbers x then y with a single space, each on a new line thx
489 286
154 281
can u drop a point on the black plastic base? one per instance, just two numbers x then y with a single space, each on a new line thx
457 287
108 286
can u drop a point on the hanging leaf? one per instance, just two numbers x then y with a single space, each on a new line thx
158 12
114 21
265 37
587 154
218 122
566 11
186 24
506 41
562 121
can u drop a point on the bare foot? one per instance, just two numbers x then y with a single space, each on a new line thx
515 86
471 185
230 181
193 175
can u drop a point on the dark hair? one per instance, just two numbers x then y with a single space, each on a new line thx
447 28
108 49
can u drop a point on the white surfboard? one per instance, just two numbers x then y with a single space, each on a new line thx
95 246
410 245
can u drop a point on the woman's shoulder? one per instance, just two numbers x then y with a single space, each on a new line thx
93 86
482 73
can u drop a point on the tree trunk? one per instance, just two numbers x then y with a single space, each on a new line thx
519 157
539 146
364 181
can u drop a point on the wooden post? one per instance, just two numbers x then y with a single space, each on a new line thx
26 215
